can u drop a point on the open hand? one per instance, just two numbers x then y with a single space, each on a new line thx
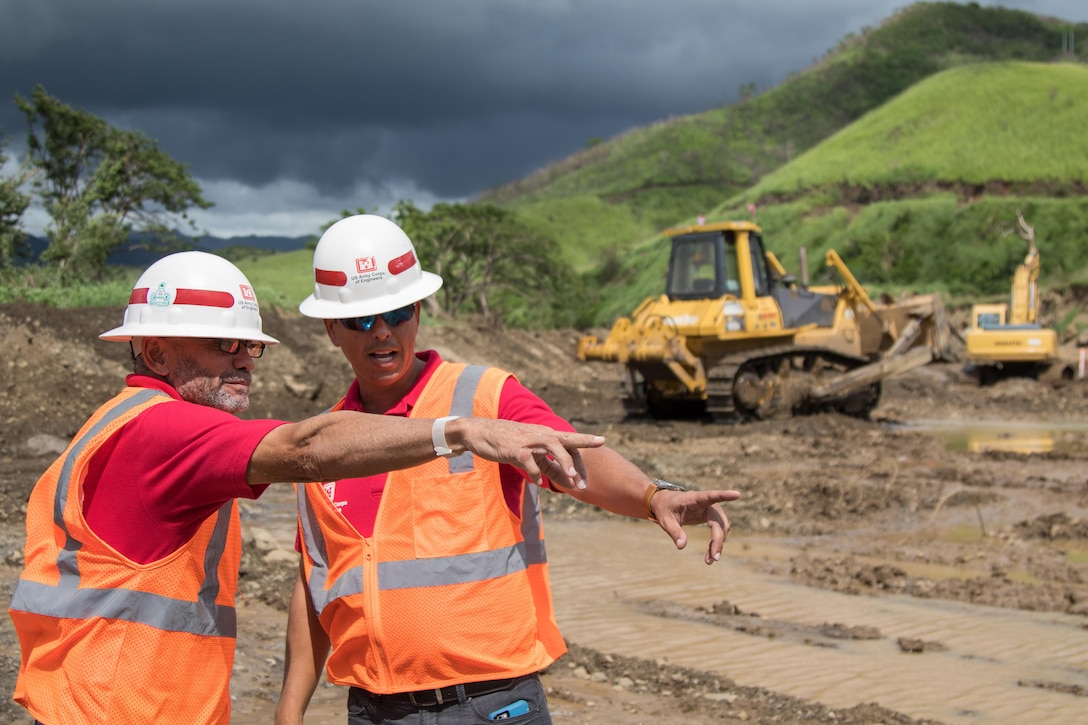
676 509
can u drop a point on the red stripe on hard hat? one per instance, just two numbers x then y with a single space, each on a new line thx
331 277
403 262
197 297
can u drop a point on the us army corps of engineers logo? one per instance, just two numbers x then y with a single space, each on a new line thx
366 270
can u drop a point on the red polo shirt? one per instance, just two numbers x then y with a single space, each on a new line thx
358 498
153 483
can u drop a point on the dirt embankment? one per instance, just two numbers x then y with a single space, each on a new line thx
827 478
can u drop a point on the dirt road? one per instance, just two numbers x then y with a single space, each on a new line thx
914 505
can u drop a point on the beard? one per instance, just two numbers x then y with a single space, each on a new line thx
196 385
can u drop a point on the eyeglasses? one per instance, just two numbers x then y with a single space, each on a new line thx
231 347
392 318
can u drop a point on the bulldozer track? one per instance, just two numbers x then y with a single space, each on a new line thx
721 376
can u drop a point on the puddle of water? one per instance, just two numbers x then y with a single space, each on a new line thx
1012 436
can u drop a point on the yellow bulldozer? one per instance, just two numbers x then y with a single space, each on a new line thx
735 337
1006 340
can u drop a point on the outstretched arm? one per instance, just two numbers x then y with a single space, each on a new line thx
307 649
346 444
617 485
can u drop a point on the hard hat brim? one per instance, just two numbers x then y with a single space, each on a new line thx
126 332
424 287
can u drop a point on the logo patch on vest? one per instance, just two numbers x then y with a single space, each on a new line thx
330 491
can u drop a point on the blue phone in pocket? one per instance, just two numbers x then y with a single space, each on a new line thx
518 707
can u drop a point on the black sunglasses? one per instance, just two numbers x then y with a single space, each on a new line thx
392 318
231 347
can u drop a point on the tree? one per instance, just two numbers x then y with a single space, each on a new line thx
492 265
13 203
99 183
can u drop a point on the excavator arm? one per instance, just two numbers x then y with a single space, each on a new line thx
1025 281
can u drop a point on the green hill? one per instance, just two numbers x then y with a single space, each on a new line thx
1018 124
922 193
908 149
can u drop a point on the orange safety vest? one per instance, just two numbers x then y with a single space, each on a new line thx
105 639
452 587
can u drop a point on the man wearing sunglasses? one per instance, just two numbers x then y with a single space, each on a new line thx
125 606
425 591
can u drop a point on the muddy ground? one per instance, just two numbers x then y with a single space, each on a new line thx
1023 512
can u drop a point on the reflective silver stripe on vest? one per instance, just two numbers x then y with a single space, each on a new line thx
410 573
348 583
532 529
464 394
68 600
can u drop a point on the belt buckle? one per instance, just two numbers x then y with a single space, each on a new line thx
437 698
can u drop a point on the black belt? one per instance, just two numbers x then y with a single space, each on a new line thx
444 695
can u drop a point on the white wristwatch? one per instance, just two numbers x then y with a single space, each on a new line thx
438 437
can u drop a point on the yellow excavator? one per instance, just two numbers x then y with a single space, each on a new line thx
1006 340
736 337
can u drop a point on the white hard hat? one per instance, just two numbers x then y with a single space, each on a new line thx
365 265
191 294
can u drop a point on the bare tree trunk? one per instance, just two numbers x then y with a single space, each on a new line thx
484 309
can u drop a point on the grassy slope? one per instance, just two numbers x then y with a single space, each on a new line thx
1007 122
924 191
921 193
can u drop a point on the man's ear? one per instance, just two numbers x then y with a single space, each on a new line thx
156 355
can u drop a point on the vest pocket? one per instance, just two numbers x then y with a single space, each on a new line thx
449 516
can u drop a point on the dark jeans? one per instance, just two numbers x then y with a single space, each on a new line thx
367 709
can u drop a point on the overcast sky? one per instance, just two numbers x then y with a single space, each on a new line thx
288 111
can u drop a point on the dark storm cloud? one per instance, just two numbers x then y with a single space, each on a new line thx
456 94
449 96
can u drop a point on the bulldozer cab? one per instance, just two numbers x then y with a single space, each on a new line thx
703 266
728 260
715 260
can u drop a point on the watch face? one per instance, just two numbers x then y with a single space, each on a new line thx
668 486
